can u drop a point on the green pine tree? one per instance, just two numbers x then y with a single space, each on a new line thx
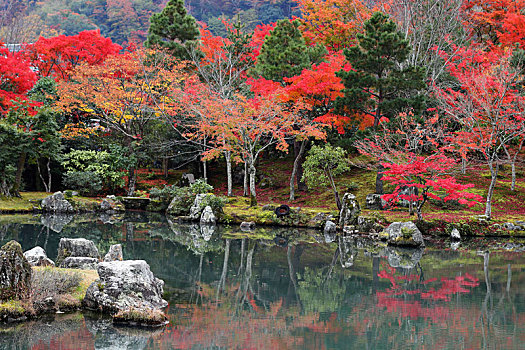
174 29
380 84
284 53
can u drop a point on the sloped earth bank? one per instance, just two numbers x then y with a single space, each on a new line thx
291 288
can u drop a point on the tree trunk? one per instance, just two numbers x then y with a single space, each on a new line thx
18 177
49 177
46 187
253 195
246 185
297 164
513 183
4 186
165 167
379 179
228 156
132 180
494 178
463 166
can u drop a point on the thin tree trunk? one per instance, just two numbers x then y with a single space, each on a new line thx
298 163
228 156
165 166
132 180
494 168
49 177
18 177
253 194
379 180
41 176
463 165
295 170
246 185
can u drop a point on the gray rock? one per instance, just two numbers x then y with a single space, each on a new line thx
455 235
349 230
404 234
329 228
375 202
15 272
195 210
247 226
114 253
509 226
37 257
187 179
56 203
76 247
368 224
269 207
56 222
406 258
123 285
207 217
520 223
79 262
105 205
349 211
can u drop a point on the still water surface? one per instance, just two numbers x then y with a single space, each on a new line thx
288 289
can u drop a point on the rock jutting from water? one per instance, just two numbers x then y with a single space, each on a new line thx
123 286
350 210
56 203
15 272
404 234
38 257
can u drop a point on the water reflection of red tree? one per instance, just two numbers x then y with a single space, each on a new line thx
422 299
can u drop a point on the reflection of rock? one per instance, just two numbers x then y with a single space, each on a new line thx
56 203
207 217
406 258
15 272
56 222
123 285
109 337
319 220
454 245
350 210
37 257
76 247
79 262
404 234
207 231
247 226
114 253
348 251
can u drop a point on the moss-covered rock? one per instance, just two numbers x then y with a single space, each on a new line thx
15 272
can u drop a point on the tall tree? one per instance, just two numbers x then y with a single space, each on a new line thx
380 84
174 29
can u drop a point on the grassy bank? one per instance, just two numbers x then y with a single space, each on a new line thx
30 201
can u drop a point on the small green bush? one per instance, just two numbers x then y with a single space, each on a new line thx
85 182
68 194
352 186
166 193
216 203
200 186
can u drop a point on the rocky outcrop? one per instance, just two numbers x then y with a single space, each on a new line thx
56 203
329 228
350 210
196 208
15 272
123 285
38 257
375 202
79 262
455 235
114 253
207 216
76 247
247 226
404 234
368 224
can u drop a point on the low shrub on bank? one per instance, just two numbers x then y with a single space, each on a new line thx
52 287
143 317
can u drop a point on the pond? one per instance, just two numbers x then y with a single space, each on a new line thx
288 288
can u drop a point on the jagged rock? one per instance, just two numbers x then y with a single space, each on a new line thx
76 247
56 203
320 219
375 202
37 257
207 217
406 258
269 207
114 253
79 262
329 228
181 203
247 226
455 235
123 285
368 224
195 210
350 210
56 222
105 205
349 230
404 234
15 272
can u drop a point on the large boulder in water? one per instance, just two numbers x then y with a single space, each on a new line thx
404 234
123 285
350 210
15 272
76 247
56 203
37 257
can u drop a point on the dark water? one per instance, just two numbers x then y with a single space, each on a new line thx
285 288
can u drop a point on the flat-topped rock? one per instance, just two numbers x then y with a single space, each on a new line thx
76 247
38 257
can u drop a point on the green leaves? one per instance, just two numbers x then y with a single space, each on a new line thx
323 164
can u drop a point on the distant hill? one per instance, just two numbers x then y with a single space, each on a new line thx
123 20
